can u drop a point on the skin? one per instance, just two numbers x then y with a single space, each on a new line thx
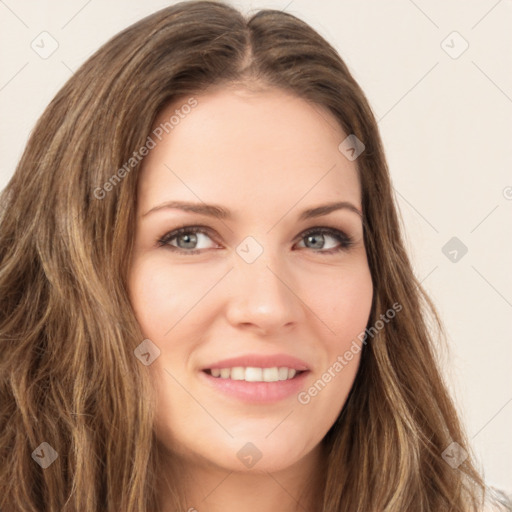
265 155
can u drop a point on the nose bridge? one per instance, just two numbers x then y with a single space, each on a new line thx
261 290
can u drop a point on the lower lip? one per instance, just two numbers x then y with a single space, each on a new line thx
257 392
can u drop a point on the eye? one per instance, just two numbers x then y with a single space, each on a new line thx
185 240
317 236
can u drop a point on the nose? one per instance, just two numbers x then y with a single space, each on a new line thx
263 295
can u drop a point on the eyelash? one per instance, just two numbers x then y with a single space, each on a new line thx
345 241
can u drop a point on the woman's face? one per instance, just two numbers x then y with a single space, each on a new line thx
261 290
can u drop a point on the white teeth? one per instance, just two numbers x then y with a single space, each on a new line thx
253 374
270 374
283 373
237 373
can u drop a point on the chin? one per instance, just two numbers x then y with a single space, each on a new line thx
270 461
243 454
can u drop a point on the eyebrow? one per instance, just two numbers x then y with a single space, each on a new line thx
218 212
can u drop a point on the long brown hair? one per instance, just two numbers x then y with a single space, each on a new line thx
68 375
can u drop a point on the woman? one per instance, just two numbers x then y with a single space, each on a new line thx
286 364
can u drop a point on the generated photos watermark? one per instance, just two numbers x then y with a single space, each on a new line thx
137 156
304 397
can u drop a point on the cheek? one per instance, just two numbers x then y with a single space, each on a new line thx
343 304
342 301
161 294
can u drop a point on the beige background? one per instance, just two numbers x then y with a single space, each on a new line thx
446 124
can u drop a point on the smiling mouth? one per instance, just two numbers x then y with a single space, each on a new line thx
254 374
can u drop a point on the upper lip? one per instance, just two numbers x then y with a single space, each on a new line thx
260 361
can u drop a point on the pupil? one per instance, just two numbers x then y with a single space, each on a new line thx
319 239
188 240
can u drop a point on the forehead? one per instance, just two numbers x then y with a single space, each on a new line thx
248 147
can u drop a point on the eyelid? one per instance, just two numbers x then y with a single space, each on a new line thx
334 232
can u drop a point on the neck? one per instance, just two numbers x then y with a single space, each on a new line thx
210 488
